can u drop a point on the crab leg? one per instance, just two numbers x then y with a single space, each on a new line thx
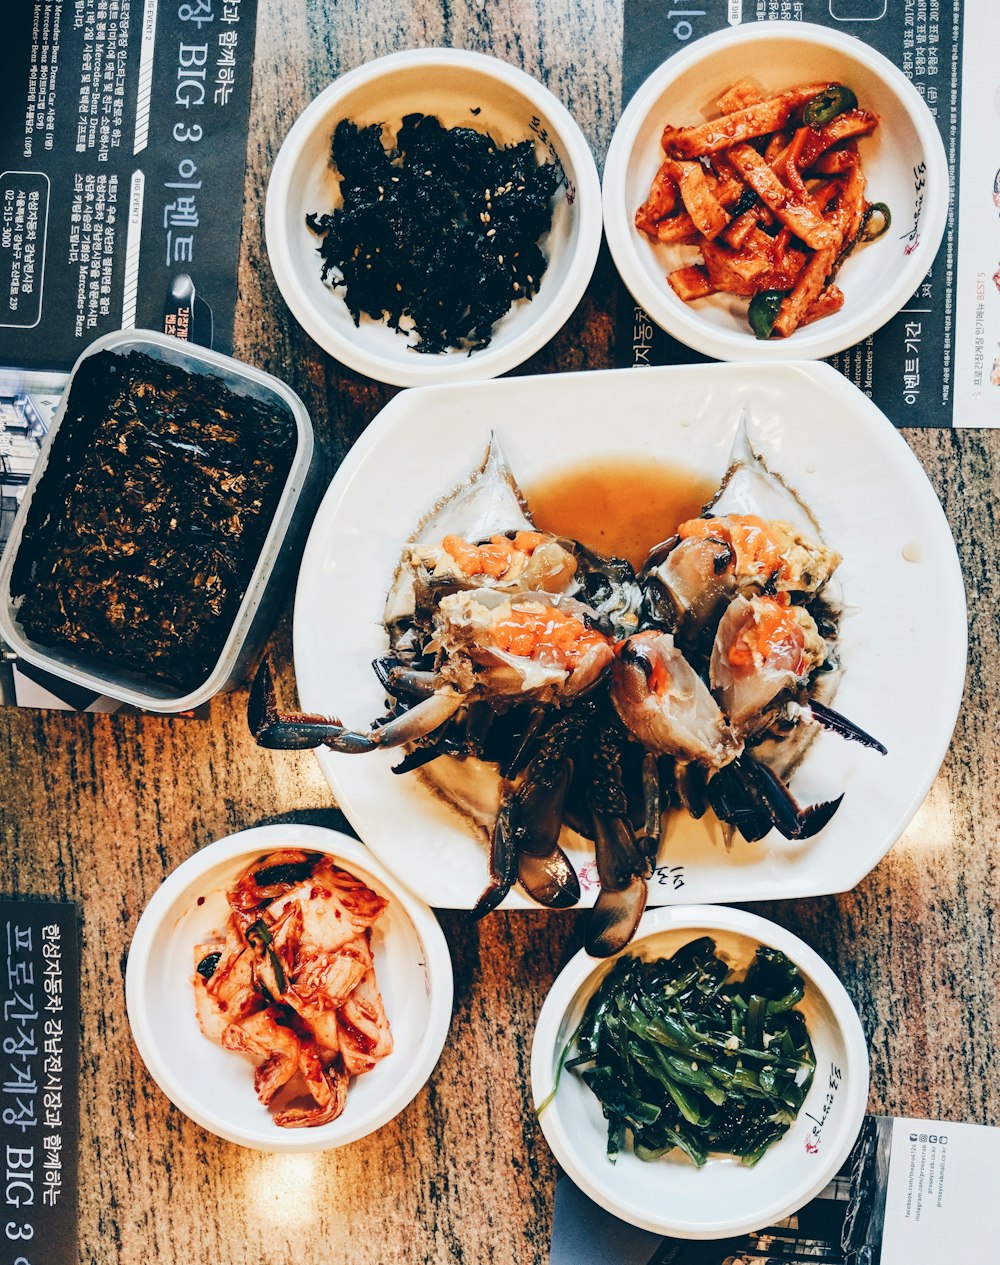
839 724
418 721
770 793
652 801
691 788
503 863
301 731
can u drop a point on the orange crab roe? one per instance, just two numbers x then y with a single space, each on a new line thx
547 634
659 678
491 559
772 633
757 551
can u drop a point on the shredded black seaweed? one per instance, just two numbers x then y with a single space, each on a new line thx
440 232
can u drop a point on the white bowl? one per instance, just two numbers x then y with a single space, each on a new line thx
451 84
214 1086
670 1195
904 162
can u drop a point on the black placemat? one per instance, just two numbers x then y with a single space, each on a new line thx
39 1081
123 132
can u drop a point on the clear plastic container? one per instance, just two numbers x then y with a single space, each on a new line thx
279 553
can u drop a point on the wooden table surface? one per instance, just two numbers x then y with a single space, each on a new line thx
101 808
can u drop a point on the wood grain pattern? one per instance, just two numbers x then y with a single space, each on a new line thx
100 809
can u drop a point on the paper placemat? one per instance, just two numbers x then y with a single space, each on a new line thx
912 1192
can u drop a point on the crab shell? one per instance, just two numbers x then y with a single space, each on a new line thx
762 650
489 503
569 654
664 703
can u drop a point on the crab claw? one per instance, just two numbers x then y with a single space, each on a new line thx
296 731
550 879
300 731
733 803
624 862
614 918
543 868
772 796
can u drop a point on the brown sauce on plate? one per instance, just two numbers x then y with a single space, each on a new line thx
620 506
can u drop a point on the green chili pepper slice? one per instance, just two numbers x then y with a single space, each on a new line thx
762 312
867 233
259 928
279 971
837 99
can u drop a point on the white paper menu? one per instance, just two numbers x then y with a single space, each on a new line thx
912 1192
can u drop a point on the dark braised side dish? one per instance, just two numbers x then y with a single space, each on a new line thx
440 233
145 529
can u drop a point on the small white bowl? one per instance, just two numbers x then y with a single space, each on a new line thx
904 162
671 1195
214 1086
459 88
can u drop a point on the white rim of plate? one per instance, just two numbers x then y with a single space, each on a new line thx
491 361
698 918
355 855
809 343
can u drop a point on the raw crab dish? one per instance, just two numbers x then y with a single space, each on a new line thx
598 697
290 982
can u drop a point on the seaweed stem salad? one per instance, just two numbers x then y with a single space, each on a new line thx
681 1054
439 233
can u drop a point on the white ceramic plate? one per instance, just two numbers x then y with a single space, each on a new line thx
214 1086
670 1195
903 640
